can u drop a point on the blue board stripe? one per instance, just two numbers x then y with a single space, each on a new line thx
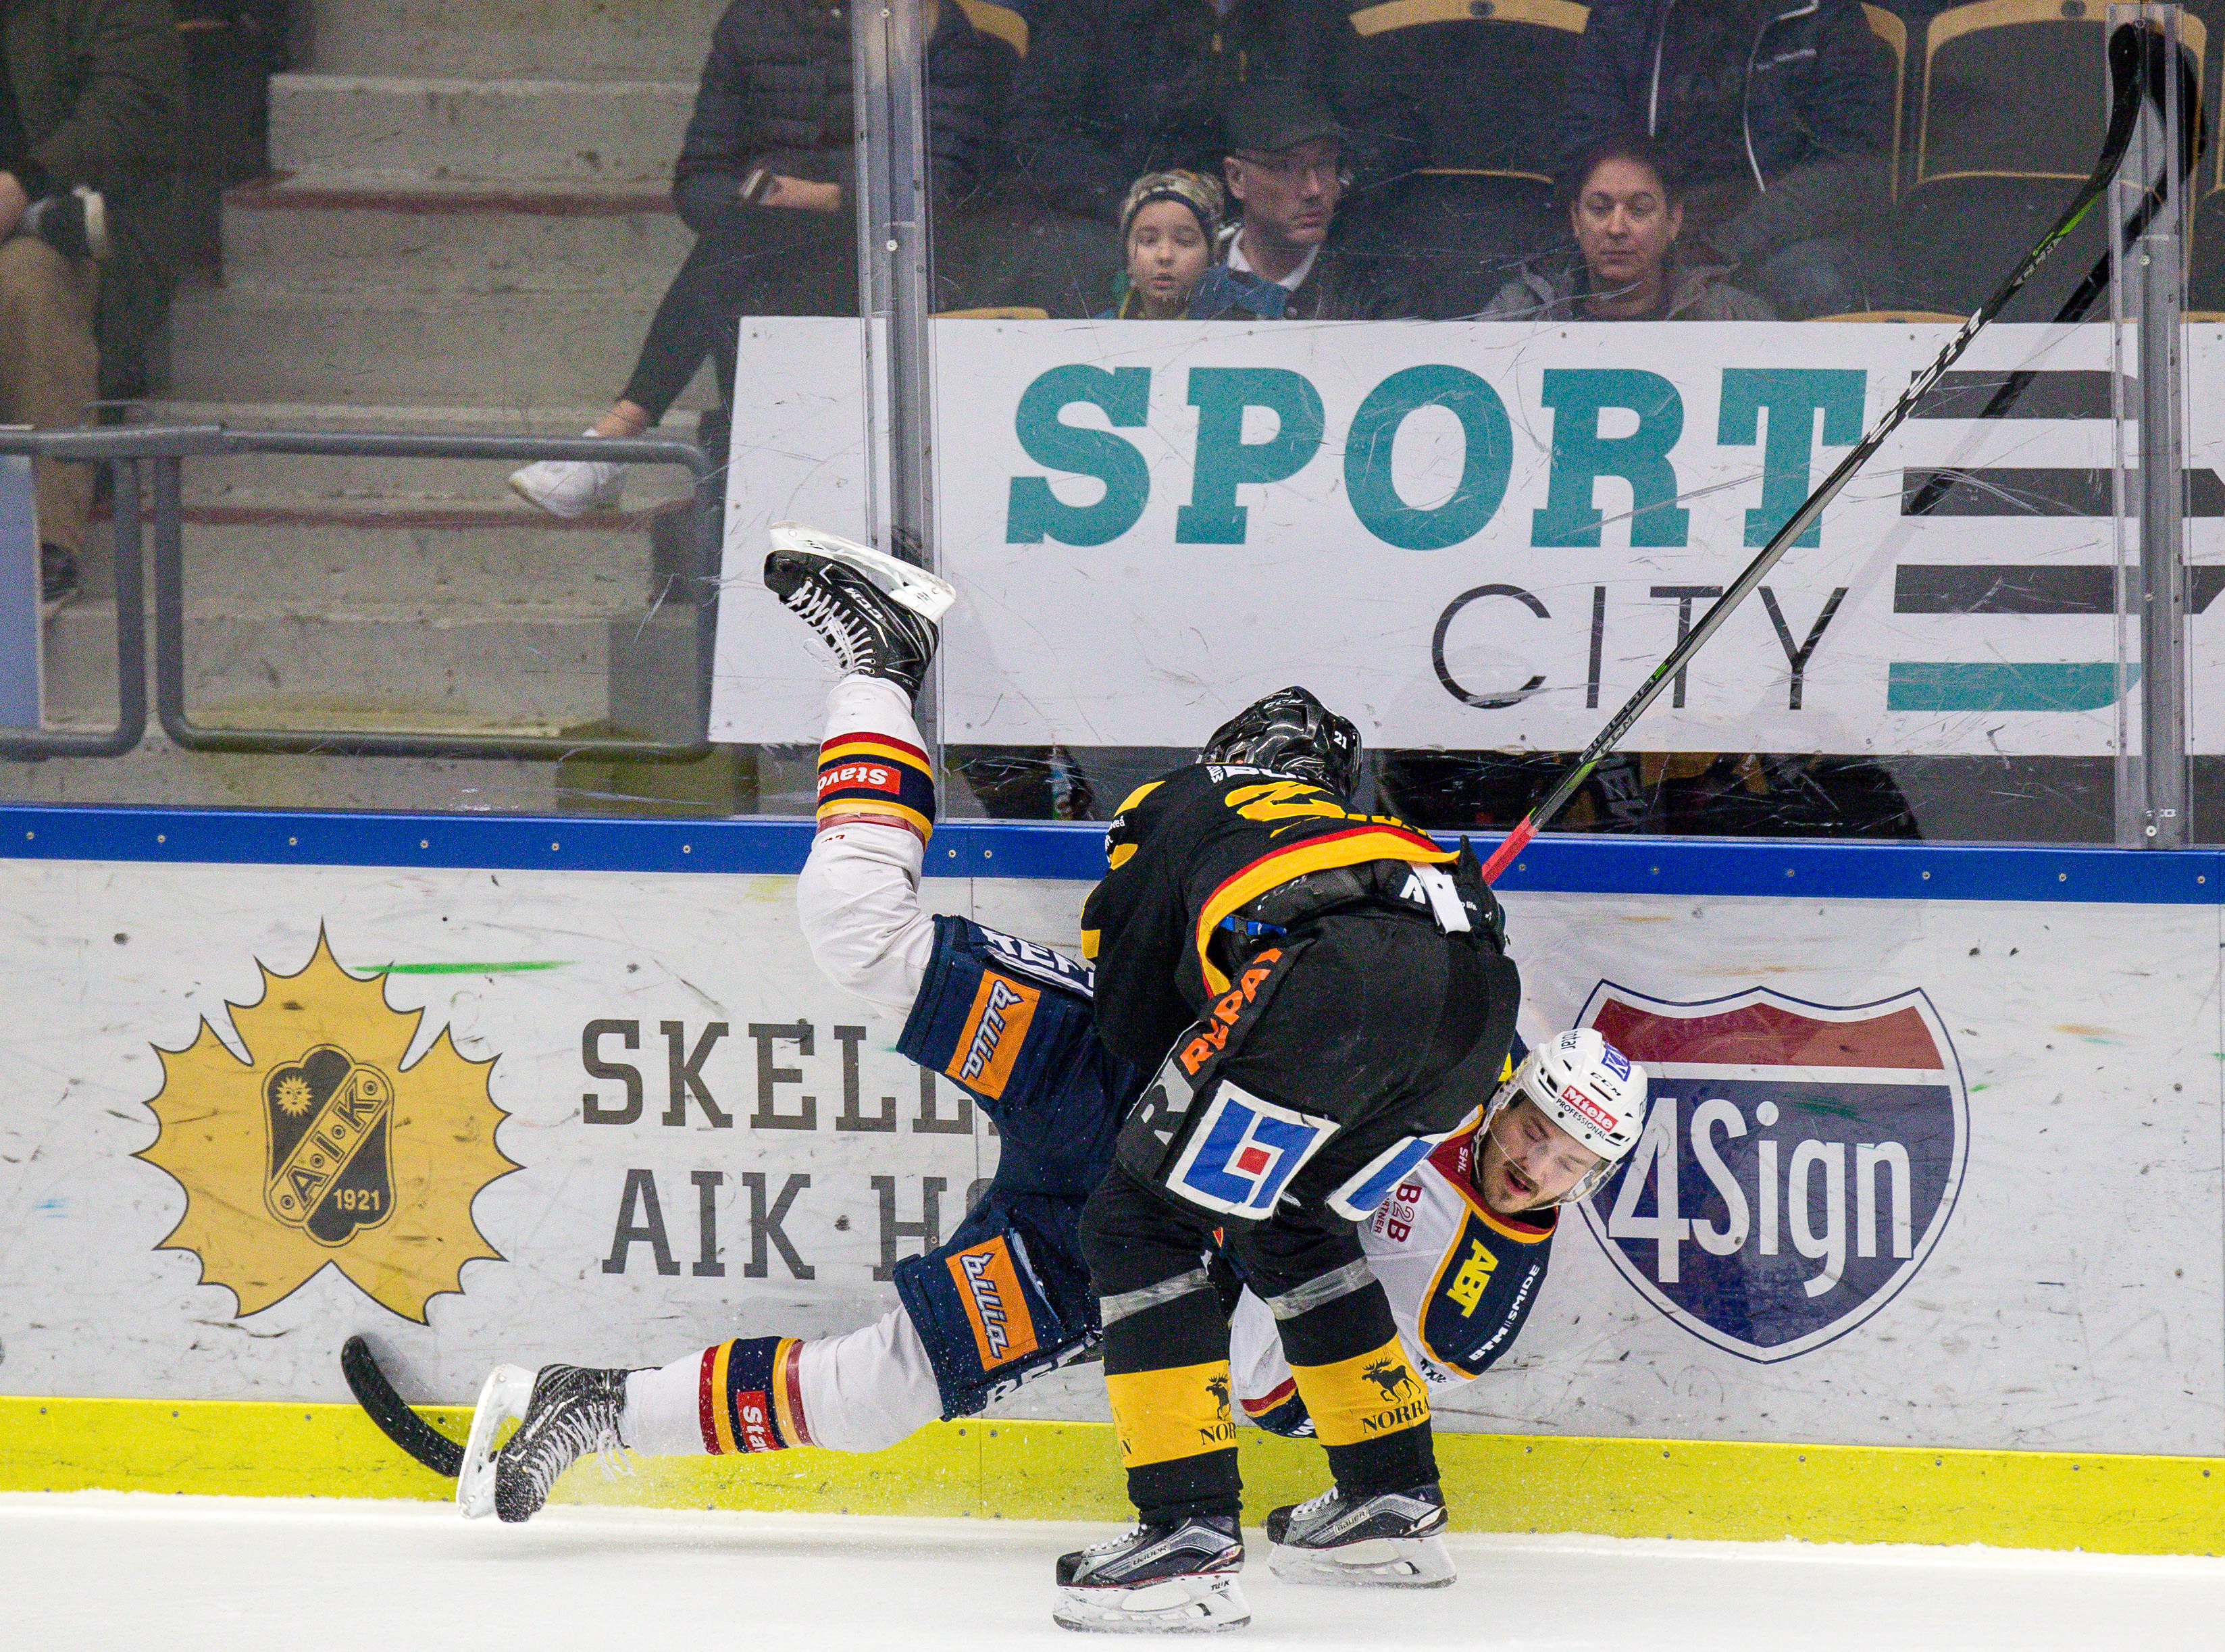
1570 863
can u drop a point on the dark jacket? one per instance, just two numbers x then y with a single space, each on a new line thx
776 93
1113 89
1816 89
1555 291
96 85
1342 285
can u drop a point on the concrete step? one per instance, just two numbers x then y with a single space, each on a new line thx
160 774
481 560
407 128
346 234
511 351
656 39
533 669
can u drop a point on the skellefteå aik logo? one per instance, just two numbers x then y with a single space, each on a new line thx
1799 1162
321 1148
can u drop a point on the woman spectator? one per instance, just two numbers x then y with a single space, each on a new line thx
1170 226
1626 213
764 179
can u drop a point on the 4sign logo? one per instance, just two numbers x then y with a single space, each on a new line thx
1799 1162
323 1148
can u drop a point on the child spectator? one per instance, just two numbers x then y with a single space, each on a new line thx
1169 226
1780 119
1625 212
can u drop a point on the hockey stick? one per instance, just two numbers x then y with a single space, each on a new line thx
2193 141
376 1395
2133 68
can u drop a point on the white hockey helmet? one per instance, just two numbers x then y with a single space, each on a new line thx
1588 1087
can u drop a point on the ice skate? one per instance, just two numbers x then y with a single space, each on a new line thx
563 1412
1177 1579
877 615
1387 1541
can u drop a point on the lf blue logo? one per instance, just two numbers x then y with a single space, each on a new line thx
1244 1152
1799 1162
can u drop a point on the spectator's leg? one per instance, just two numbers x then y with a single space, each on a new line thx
1818 277
675 345
49 373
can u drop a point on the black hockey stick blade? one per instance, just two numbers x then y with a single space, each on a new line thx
376 1395
2194 140
2136 67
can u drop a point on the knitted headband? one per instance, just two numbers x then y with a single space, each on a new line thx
1200 193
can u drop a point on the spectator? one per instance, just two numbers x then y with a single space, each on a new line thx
88 101
1118 88
1780 120
1285 167
1625 211
1170 226
763 179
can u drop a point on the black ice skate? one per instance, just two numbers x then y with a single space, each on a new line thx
1169 1578
875 613
563 1412
1387 1541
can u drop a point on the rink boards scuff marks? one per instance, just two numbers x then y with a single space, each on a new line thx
603 1577
711 1141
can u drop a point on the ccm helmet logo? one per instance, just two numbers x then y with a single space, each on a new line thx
1584 1105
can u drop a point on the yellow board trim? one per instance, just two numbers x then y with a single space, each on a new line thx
2104 1503
1390 15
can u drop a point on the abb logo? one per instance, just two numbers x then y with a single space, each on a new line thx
873 776
753 1412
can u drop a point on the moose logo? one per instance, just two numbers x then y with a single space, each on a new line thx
1798 1164
1392 1377
322 1147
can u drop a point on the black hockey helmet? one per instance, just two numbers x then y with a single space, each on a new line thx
1292 733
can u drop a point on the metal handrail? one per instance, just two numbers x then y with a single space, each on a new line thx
164 448
130 725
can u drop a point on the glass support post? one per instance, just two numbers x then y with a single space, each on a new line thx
2146 300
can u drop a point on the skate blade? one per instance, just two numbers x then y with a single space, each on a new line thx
1197 1606
503 1398
912 587
1377 1563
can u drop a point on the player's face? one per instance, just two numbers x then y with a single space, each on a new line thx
1625 223
1166 254
1529 1161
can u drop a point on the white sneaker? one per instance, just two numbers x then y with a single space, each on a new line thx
570 487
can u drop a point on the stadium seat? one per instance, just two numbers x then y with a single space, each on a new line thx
1485 201
1889 28
1000 22
997 312
2013 101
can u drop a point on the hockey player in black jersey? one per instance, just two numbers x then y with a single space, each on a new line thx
1461 1242
1329 1000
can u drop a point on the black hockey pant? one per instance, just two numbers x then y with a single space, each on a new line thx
1333 1043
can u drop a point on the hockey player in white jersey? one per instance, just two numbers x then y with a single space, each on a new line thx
1459 1244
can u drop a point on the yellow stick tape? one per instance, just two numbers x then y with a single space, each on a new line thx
1037 1470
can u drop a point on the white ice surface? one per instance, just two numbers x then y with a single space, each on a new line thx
107 1570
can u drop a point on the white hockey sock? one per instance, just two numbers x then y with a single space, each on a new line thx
663 1416
859 705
